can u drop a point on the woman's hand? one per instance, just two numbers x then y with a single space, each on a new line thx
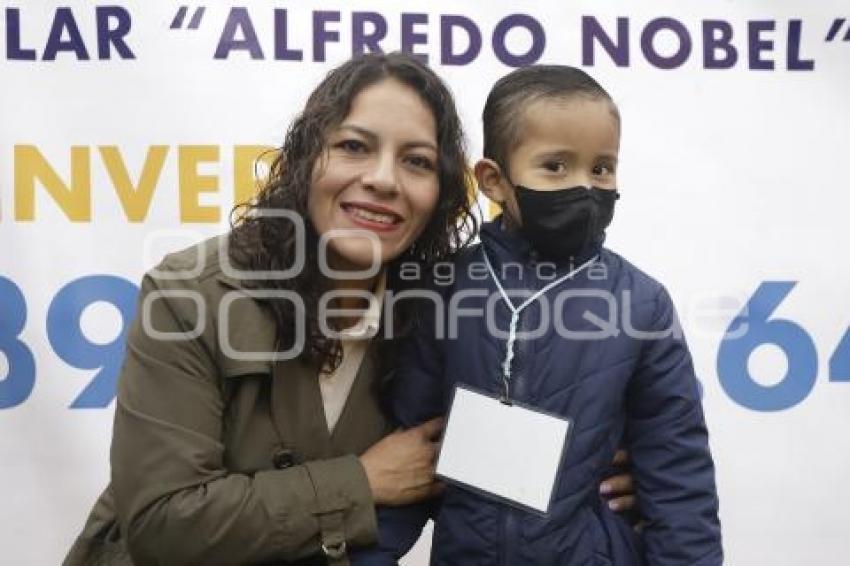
620 489
400 467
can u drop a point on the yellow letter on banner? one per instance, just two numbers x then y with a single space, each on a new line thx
30 165
192 184
245 182
136 200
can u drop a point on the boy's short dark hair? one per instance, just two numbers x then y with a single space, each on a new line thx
512 93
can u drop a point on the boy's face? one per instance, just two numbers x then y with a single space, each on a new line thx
563 142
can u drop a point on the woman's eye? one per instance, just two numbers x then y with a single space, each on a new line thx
352 146
554 166
421 162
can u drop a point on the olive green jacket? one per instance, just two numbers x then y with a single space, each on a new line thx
220 457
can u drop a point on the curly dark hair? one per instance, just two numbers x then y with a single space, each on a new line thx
267 243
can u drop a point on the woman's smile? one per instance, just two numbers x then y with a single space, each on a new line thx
373 216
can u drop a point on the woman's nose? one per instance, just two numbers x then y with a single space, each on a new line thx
381 176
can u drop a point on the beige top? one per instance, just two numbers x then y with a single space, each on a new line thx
336 386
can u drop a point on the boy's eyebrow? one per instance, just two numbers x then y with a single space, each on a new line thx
373 137
561 153
553 154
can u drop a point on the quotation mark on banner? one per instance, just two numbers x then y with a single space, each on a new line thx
837 24
180 16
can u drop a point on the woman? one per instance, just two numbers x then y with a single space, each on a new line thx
223 451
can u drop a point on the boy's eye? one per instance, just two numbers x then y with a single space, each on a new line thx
603 169
351 146
554 166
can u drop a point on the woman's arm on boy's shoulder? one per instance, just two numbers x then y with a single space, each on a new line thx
668 445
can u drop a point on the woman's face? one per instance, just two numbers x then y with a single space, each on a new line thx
379 174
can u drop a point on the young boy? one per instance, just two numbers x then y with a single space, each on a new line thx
610 357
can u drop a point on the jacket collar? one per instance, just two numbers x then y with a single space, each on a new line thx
504 244
247 333
368 325
250 338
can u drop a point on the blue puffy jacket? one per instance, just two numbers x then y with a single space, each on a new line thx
632 385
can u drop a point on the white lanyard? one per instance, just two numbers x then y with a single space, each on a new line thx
515 312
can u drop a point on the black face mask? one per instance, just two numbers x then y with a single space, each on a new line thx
559 224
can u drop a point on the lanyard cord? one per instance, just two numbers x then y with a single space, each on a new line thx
515 312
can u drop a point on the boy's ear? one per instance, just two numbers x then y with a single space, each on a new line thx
491 180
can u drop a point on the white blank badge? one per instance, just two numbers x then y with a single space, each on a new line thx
506 450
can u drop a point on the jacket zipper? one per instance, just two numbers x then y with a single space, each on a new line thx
509 540
510 534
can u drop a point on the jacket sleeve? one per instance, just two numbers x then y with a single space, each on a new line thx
418 391
416 394
175 500
668 443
